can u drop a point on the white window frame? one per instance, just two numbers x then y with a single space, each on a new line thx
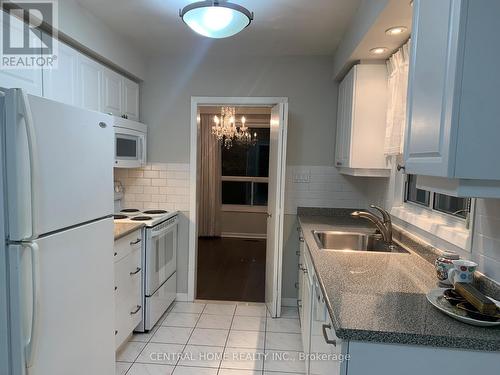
434 224
244 207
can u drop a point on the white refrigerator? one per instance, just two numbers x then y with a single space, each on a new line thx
57 259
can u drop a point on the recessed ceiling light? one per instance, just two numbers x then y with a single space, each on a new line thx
216 19
379 50
396 30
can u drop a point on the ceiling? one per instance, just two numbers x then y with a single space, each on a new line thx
280 27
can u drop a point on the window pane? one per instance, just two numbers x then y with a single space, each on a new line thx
452 205
235 192
260 194
416 195
251 161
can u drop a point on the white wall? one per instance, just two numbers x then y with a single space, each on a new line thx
306 81
83 26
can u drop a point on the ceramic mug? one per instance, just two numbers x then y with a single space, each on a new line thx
462 271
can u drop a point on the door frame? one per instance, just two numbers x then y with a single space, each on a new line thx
193 173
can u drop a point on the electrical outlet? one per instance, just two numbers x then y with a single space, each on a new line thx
301 178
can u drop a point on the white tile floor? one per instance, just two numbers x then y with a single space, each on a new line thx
216 339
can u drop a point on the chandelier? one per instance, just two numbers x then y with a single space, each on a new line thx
226 131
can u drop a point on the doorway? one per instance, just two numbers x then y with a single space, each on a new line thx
236 200
233 177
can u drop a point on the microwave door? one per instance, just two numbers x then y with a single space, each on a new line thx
129 150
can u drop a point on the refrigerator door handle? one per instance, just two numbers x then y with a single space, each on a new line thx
32 341
33 157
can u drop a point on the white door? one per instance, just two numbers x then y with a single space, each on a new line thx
66 176
130 95
432 71
89 83
74 314
60 83
112 93
29 79
275 203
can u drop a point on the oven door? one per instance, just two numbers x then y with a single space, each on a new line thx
129 148
161 254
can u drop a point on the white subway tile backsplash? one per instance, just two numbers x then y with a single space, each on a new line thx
155 186
151 174
326 188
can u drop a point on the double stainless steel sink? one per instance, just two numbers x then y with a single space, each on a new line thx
355 241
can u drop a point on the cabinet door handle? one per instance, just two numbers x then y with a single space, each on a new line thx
116 288
116 253
339 163
136 310
299 303
138 269
325 335
135 242
301 239
116 332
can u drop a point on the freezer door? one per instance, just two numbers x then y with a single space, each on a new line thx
74 326
59 165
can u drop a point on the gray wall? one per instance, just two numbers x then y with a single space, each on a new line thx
165 106
306 81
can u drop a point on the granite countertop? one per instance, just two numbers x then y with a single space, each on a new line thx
122 229
382 297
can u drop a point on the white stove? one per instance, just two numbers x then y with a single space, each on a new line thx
149 217
159 260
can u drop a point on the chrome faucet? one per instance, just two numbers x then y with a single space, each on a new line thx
384 225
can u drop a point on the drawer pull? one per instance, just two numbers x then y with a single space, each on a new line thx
325 335
301 239
116 253
136 310
138 269
116 332
116 288
132 243
299 303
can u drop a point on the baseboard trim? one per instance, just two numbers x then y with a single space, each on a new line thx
258 236
289 302
182 297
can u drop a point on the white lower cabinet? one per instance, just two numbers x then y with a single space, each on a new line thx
128 281
327 354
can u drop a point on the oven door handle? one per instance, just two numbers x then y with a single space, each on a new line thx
164 230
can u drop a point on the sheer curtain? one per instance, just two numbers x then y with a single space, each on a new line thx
209 200
397 67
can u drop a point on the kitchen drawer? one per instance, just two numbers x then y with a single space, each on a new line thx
128 296
125 245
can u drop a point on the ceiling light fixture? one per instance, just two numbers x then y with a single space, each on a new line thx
216 19
379 50
396 30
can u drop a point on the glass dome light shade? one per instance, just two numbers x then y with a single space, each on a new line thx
214 19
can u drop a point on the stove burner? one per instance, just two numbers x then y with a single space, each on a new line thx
141 218
154 212
117 217
130 210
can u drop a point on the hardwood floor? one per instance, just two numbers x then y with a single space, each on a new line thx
231 269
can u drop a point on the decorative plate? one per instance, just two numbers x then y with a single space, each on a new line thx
436 298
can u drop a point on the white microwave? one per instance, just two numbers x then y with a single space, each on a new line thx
130 143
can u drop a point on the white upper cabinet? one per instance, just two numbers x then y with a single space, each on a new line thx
120 96
453 110
61 83
30 78
130 97
89 83
112 93
361 122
